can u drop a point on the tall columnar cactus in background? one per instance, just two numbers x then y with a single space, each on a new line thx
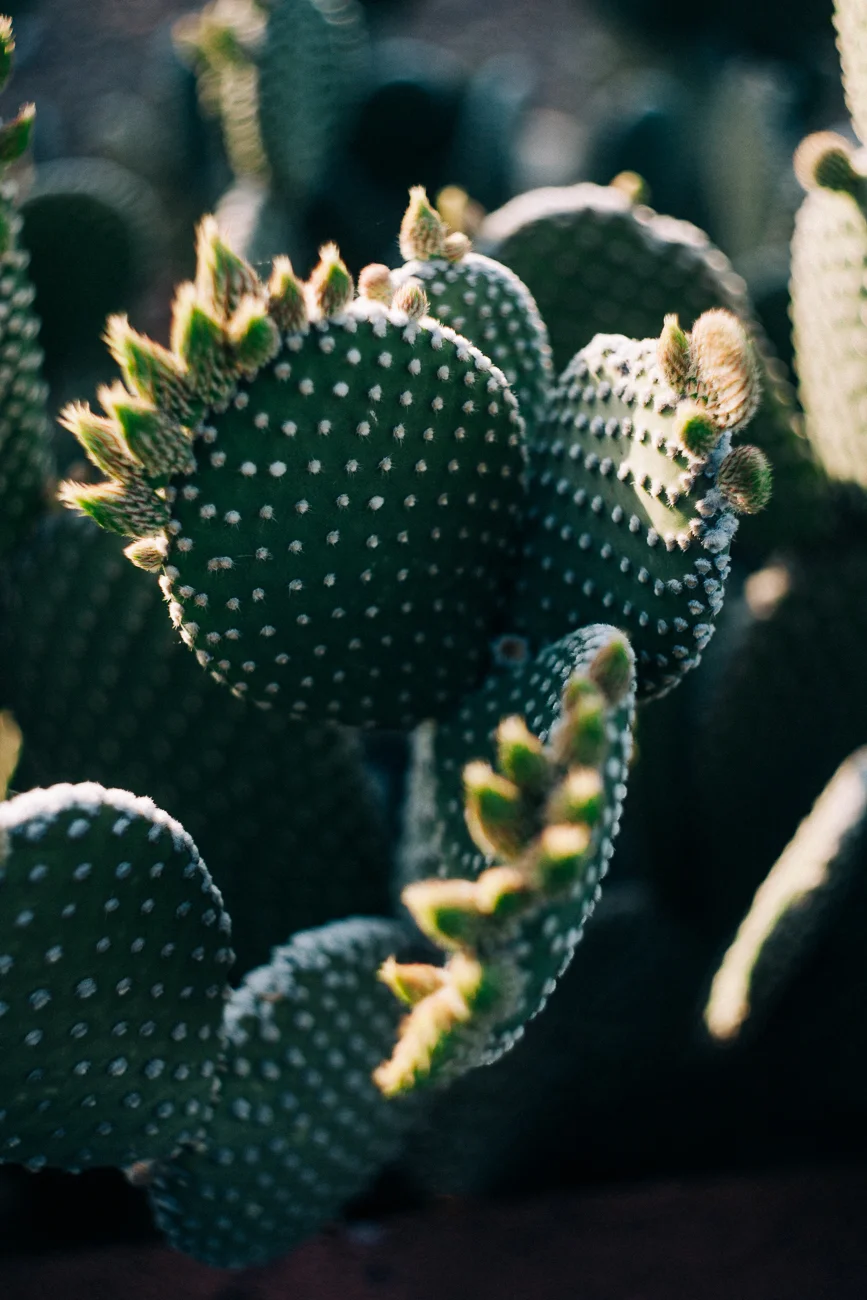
25 442
282 76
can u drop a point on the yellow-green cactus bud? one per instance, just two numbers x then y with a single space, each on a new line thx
695 429
422 232
611 670
496 816
286 303
148 553
375 283
253 336
579 798
330 285
745 478
725 366
673 354
521 755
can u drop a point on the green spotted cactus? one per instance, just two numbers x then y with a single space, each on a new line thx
542 826
26 459
125 1046
344 488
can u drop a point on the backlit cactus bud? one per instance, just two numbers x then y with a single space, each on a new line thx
745 477
375 284
286 303
101 441
422 232
725 366
672 353
496 816
580 737
560 856
457 246
411 298
330 285
7 49
611 670
222 277
253 336
15 135
521 755
824 161
411 982
199 339
148 553
579 798
695 429
151 371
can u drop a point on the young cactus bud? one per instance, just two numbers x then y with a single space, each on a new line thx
162 446
695 429
725 365
375 283
673 354
10 750
148 553
633 186
745 477
129 508
411 983
7 49
560 856
521 755
580 737
824 161
611 670
151 371
286 304
457 246
200 341
15 135
222 277
411 298
579 798
455 913
495 812
100 439
253 336
422 233
330 285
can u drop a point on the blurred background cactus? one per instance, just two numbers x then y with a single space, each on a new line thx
473 565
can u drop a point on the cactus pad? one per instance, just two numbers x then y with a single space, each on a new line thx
103 691
337 535
300 1128
481 299
113 961
547 821
626 521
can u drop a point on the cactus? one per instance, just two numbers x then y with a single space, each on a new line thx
596 262
546 820
25 441
299 1127
795 905
113 959
294 529
633 491
275 125
103 692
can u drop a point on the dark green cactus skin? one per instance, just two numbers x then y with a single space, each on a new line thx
300 1128
94 234
436 840
596 263
829 257
26 459
488 304
113 960
103 692
341 550
624 523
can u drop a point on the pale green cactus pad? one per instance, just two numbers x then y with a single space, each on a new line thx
546 822
633 493
597 263
114 952
300 1127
